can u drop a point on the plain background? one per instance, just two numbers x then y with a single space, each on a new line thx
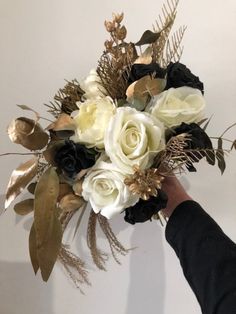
44 42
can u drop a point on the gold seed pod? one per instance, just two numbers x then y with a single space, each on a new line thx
121 33
118 18
110 26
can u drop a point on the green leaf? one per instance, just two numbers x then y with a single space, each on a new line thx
148 37
47 226
24 207
220 156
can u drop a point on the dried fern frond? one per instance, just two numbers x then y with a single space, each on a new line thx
163 26
173 49
74 267
114 243
99 257
66 98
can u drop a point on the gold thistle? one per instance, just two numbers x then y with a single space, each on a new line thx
144 183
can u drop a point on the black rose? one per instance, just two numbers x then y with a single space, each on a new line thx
144 210
140 70
72 157
179 75
198 140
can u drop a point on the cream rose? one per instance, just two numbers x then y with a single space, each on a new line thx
104 188
92 86
91 121
133 138
177 105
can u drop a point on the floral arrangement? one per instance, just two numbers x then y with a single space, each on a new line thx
114 138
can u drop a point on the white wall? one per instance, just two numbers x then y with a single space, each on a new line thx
42 43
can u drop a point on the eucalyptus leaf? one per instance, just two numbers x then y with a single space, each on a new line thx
33 250
24 207
20 178
220 156
148 37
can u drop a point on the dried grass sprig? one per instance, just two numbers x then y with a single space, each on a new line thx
74 267
114 243
99 257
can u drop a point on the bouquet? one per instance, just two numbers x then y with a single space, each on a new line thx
113 139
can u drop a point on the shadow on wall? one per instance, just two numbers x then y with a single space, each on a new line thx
21 292
147 272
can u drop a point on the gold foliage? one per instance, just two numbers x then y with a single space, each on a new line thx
74 267
173 50
46 223
28 133
24 207
144 183
20 178
116 60
114 243
66 98
166 50
99 257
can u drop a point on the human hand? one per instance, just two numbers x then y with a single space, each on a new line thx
176 194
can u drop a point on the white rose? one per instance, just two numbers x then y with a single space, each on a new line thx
91 121
104 188
92 86
177 105
133 138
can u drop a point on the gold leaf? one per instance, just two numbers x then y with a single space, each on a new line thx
31 187
28 133
148 37
63 122
48 251
71 202
145 57
33 249
144 88
24 207
47 226
20 178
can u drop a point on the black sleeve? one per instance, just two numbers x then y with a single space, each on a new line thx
207 256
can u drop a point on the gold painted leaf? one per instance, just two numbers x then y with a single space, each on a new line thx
20 178
33 250
145 57
63 122
31 187
71 202
47 226
145 88
28 133
24 207
48 251
148 37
